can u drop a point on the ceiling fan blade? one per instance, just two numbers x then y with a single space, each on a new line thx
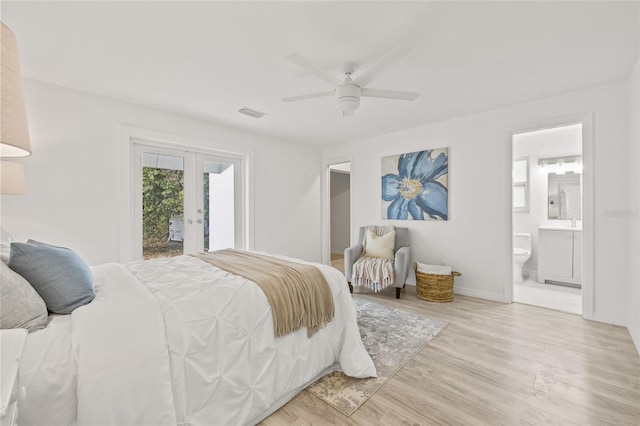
389 94
388 59
308 96
313 68
347 113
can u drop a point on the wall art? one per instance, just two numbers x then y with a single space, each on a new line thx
415 185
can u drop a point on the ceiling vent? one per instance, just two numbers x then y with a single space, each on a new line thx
251 112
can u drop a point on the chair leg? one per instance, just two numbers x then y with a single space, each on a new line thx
350 288
398 292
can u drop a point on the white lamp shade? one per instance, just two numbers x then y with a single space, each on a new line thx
14 130
12 178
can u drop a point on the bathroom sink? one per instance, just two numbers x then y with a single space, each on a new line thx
560 228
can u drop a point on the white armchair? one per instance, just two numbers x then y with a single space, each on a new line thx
401 263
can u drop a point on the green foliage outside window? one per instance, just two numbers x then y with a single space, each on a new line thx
162 199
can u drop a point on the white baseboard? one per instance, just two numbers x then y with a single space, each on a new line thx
498 297
608 318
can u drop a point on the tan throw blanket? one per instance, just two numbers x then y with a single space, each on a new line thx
299 294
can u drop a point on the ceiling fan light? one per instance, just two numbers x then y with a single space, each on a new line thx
348 103
348 97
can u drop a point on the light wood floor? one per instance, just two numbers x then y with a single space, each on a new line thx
497 364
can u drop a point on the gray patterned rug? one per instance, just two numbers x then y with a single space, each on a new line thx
392 338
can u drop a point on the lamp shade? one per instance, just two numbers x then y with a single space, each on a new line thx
14 131
12 178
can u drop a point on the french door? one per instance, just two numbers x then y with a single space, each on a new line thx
185 201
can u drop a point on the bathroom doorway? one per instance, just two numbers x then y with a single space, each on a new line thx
548 217
339 212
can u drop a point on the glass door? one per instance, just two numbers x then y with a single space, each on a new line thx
161 203
220 183
185 202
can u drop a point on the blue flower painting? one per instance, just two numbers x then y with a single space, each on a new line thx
414 185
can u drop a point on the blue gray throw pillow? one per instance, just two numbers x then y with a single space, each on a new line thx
58 274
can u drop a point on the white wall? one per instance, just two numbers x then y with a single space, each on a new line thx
538 145
73 181
340 211
634 197
221 209
473 240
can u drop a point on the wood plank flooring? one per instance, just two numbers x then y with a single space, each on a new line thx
497 364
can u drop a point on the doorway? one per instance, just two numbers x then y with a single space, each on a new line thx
185 201
339 212
548 217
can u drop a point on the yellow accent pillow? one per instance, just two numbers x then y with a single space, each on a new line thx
382 246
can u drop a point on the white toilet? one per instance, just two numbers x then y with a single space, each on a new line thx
521 253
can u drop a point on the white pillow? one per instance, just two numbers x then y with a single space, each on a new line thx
20 306
382 246
5 245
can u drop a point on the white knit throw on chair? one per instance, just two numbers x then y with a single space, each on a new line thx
375 273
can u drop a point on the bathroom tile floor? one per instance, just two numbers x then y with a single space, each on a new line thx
561 298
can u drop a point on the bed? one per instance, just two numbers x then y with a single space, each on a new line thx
179 341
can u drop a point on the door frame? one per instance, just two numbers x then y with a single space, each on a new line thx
325 186
130 135
588 191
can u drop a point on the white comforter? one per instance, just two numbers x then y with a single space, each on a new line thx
178 341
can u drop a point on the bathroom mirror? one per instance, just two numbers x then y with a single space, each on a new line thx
565 196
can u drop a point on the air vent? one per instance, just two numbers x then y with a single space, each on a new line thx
251 112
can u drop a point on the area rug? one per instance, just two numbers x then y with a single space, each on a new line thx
392 338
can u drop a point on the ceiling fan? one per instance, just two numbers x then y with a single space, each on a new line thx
349 91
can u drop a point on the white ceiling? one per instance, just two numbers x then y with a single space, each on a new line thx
208 59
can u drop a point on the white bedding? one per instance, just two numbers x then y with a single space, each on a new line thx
179 341
48 370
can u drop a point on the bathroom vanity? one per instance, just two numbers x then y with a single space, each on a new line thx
560 255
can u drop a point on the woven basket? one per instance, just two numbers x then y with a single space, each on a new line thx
434 288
